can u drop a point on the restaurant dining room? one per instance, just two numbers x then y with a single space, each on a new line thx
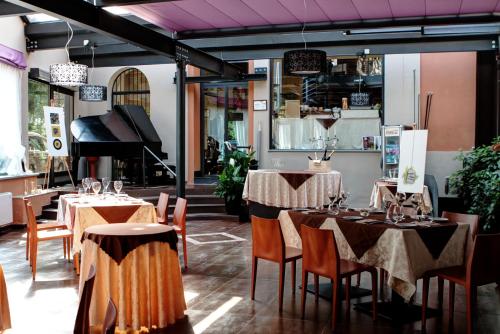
249 166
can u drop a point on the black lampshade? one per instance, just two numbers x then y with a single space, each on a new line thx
304 62
93 93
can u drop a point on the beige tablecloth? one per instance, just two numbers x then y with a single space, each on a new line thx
146 286
79 212
380 188
4 304
401 252
271 188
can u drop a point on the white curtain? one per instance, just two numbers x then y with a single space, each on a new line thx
11 150
241 130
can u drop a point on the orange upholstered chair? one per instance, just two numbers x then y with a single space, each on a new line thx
320 256
268 244
179 220
162 208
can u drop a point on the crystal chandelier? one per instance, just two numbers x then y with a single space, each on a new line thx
68 74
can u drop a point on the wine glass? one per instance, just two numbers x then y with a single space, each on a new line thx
118 186
400 197
105 183
86 184
397 214
96 187
334 208
332 195
387 201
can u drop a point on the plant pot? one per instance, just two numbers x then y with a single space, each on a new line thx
233 207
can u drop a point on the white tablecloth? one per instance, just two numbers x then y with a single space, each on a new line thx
401 252
78 213
269 188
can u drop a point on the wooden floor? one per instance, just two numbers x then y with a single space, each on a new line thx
217 290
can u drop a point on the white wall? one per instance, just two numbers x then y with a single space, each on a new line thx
163 103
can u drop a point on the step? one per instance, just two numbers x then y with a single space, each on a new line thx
192 199
211 216
202 208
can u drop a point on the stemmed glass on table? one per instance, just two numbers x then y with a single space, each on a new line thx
86 183
105 183
96 187
333 207
118 186
344 197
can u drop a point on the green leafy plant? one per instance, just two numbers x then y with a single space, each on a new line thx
478 184
232 178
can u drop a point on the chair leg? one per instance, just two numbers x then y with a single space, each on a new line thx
184 249
282 284
254 276
425 296
34 251
381 283
451 301
69 243
335 302
76 263
305 274
316 287
470 297
347 291
440 292
374 294
27 243
294 274
64 247
358 280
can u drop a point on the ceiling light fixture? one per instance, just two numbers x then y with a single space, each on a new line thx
68 74
93 93
304 62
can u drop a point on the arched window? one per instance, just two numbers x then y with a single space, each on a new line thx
131 87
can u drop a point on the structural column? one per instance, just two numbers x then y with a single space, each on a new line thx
180 168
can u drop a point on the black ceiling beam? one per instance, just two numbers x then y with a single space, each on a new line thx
342 25
93 18
10 9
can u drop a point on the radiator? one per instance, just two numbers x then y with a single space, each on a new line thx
5 208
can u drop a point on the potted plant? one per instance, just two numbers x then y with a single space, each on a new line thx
478 184
232 180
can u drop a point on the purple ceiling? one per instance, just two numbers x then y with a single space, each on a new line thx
209 14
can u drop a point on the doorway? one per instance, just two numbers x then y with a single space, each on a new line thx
224 123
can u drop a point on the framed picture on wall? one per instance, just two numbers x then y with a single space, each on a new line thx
259 105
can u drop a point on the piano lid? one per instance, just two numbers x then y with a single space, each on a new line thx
137 118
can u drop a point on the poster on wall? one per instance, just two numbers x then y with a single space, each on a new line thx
55 130
413 149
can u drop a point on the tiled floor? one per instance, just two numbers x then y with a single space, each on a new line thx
217 289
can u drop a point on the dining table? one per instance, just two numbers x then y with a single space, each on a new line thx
389 188
137 266
268 191
406 251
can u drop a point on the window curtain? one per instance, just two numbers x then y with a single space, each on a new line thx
11 149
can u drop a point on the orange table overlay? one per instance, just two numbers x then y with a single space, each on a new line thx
146 286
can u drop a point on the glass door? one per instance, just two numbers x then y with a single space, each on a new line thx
224 122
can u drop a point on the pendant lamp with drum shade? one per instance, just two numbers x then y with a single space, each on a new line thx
68 74
93 93
304 62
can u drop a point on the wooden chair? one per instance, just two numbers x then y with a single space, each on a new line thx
268 244
162 208
44 235
473 221
42 227
320 256
82 322
179 220
483 267
108 327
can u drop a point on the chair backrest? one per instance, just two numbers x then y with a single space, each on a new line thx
109 324
430 182
320 254
161 208
82 323
484 264
267 239
472 220
4 311
180 210
30 214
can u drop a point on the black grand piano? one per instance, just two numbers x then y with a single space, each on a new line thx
122 133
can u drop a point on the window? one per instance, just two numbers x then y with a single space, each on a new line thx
131 87
340 110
